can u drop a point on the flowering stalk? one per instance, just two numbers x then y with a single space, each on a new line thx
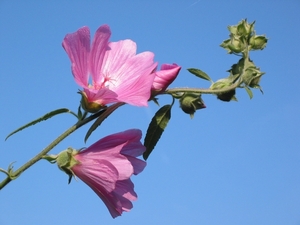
243 74
11 175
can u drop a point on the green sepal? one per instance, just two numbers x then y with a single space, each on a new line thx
200 74
156 128
155 100
91 107
65 161
45 117
4 171
9 172
79 113
249 92
50 158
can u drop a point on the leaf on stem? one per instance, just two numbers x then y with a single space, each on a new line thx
45 117
156 128
106 112
200 74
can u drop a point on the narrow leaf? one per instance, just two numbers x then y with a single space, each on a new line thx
156 128
249 92
101 118
45 117
200 74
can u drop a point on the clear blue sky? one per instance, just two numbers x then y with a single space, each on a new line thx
234 163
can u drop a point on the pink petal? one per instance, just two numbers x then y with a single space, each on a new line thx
165 76
96 172
120 162
110 147
99 47
137 164
120 199
107 165
111 141
135 79
102 96
77 46
118 54
125 188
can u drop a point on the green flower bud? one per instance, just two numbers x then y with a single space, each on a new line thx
236 44
245 29
65 161
91 107
227 96
258 42
252 75
232 29
219 84
223 83
190 102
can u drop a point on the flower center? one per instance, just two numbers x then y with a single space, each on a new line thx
106 82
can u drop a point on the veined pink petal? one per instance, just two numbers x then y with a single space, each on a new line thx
118 200
125 188
96 172
119 52
99 47
136 79
109 142
118 74
77 46
107 165
138 165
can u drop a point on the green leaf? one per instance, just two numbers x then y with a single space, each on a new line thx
45 117
79 113
156 128
105 113
249 92
200 74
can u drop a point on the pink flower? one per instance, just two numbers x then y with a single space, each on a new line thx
164 77
106 166
116 72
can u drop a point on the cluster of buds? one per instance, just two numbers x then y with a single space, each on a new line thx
243 37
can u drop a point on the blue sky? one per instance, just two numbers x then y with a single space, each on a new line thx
233 163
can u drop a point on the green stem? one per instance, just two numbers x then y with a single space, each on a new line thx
203 90
39 156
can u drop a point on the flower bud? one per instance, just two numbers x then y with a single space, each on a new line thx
91 107
234 44
227 96
244 28
252 75
220 84
164 77
258 42
190 102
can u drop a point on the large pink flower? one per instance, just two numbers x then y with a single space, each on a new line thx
107 165
115 72
164 77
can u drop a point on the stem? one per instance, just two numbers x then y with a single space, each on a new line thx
39 156
203 90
